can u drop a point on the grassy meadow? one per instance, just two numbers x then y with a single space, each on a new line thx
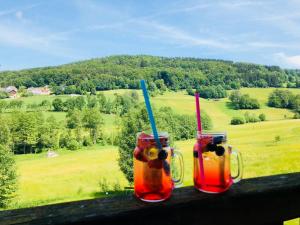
75 175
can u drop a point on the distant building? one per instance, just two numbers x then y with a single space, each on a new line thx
39 91
12 91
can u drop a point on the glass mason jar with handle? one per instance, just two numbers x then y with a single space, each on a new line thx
212 169
153 181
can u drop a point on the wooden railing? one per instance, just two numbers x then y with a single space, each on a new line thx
265 200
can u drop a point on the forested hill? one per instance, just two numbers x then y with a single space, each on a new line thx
175 73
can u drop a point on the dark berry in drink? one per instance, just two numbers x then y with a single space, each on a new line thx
211 147
163 154
139 154
220 151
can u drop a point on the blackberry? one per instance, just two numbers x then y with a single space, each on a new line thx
211 147
162 155
220 151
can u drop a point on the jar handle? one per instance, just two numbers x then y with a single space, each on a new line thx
238 156
177 154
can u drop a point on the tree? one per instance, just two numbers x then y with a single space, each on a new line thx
58 105
93 121
45 105
160 85
237 121
8 176
49 134
280 99
25 131
190 91
239 101
262 117
70 90
133 122
212 92
74 122
5 135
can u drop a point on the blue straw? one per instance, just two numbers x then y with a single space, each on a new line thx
150 114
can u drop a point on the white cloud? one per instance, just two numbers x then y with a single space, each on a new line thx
49 43
273 45
177 36
18 12
287 61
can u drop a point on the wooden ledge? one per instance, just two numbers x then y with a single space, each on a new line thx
263 200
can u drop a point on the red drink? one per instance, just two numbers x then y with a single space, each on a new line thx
152 173
214 176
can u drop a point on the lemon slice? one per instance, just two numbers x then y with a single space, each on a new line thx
151 153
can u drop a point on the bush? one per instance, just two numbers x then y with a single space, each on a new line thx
3 95
262 117
58 105
73 145
8 176
190 91
237 121
296 116
240 101
212 92
277 138
250 118
104 185
87 141
26 94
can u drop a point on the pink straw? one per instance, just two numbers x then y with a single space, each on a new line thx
199 131
198 112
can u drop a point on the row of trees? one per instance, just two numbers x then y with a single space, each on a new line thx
209 92
243 101
248 118
173 73
31 132
136 120
284 99
119 104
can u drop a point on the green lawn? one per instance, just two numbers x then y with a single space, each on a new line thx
70 176
75 175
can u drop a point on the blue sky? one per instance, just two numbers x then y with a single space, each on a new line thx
42 33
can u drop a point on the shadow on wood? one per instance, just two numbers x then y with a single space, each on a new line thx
264 200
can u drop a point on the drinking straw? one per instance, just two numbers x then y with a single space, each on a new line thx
200 131
150 114
198 112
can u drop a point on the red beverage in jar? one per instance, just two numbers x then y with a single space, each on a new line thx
214 175
152 168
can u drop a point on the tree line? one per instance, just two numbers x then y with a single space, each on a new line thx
124 71
33 132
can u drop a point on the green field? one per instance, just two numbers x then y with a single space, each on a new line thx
75 175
